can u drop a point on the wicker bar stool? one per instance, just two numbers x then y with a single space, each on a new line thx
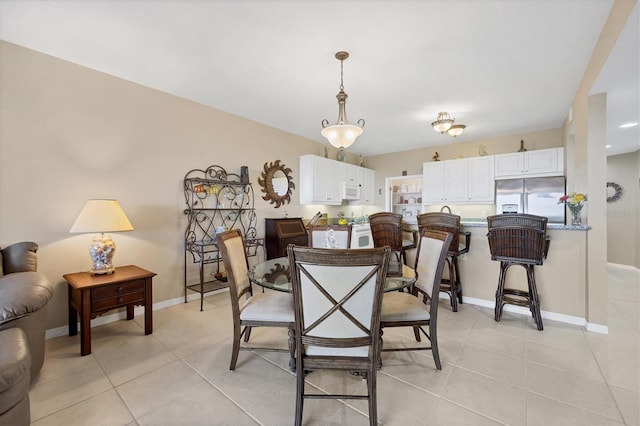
518 239
386 230
448 222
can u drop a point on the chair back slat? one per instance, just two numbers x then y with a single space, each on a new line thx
519 238
337 295
442 222
330 236
386 230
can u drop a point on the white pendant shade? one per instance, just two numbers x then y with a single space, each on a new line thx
341 135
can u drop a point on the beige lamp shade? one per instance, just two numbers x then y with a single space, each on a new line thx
101 216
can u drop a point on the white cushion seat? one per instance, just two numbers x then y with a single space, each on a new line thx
272 307
398 306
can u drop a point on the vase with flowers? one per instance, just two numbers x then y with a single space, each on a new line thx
575 202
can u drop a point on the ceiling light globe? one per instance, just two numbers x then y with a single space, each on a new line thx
341 135
456 130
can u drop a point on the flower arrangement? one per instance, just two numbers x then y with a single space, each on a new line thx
575 202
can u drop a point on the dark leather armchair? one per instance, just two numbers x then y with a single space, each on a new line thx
24 295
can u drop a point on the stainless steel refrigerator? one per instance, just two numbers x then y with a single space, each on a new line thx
537 196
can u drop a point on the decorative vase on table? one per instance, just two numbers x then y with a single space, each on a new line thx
576 218
575 202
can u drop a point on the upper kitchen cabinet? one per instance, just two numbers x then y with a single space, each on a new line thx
458 181
538 163
322 181
481 179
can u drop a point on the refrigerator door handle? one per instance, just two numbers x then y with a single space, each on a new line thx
524 203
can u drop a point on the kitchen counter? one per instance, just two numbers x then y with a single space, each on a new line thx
477 223
562 294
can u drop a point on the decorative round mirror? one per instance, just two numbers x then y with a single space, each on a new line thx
277 183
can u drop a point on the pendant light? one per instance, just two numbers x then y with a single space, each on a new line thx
342 134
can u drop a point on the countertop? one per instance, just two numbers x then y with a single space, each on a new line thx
478 223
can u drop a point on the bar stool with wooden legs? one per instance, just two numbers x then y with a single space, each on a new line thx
518 239
448 222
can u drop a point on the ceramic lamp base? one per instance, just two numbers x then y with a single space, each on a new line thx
102 249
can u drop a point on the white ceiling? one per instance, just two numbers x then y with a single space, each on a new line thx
500 67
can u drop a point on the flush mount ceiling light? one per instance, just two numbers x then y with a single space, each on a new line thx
627 125
444 124
342 134
456 130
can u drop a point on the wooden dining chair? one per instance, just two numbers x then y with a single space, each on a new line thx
330 236
337 295
448 222
420 309
269 309
386 230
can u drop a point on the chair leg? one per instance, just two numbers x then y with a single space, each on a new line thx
371 389
247 334
452 285
433 336
416 332
458 283
500 291
534 302
236 346
299 396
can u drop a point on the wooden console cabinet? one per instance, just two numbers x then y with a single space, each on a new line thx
279 233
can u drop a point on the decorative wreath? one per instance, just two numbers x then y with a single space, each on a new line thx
616 190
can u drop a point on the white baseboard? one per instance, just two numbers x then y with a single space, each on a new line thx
569 319
139 310
621 266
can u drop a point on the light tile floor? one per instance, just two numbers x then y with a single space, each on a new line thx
493 373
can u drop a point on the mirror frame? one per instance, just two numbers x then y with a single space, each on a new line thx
266 182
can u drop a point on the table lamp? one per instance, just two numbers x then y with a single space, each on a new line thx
101 216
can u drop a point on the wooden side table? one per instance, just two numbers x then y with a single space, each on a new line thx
93 295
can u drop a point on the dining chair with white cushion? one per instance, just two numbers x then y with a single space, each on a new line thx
337 295
420 309
269 309
330 236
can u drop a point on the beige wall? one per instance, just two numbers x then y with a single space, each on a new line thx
623 216
68 133
395 163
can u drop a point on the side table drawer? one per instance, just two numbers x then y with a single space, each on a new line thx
117 289
116 301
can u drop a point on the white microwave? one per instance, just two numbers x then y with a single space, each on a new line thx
350 190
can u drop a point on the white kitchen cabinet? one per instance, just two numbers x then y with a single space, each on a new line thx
458 181
444 181
538 163
321 181
481 179
367 190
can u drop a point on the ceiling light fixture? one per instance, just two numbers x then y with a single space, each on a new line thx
444 124
342 134
456 130
627 125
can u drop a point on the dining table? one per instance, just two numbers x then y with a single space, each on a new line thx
274 274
